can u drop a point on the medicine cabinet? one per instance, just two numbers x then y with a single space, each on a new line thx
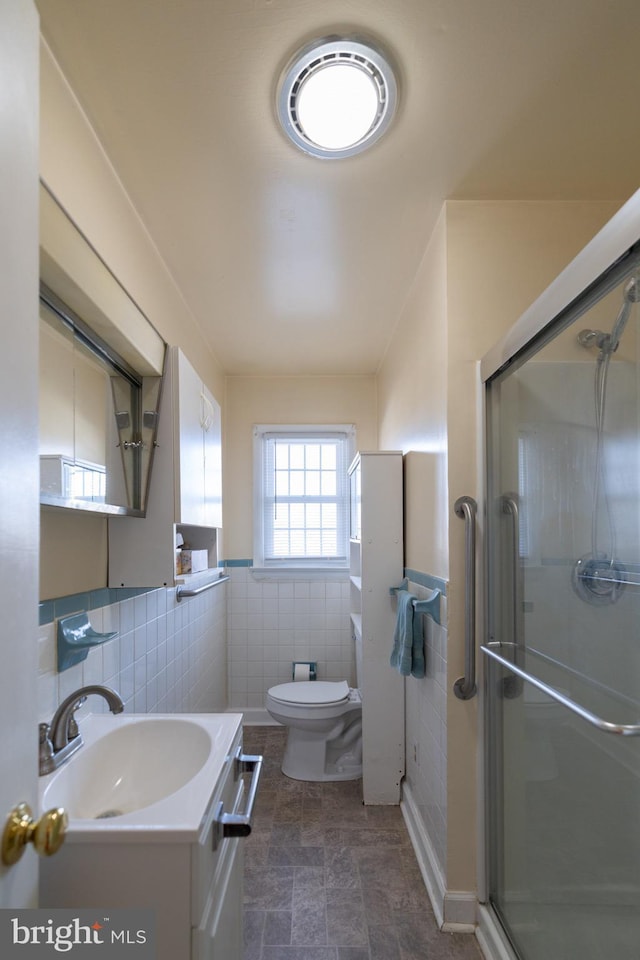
101 365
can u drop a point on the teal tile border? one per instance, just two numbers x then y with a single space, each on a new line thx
45 612
50 610
426 580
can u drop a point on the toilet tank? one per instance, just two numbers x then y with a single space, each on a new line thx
357 640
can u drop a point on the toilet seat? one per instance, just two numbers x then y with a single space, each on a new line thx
311 693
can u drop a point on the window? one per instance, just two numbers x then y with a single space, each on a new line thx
301 495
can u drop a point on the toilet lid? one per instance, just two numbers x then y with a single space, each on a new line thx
311 691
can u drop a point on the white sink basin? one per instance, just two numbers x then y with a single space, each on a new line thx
129 768
140 773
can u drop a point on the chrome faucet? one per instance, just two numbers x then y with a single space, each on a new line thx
61 738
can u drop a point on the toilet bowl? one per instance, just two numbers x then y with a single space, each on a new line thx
542 715
324 729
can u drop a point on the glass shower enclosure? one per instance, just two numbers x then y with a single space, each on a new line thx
562 646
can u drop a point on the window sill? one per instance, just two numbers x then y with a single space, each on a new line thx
300 573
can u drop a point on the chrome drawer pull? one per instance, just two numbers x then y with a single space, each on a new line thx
238 824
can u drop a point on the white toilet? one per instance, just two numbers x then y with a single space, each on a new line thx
324 735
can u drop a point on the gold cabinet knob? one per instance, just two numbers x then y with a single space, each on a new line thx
46 834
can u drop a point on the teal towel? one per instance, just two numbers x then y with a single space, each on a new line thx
407 655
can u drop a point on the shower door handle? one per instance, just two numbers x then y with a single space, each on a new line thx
606 726
512 686
511 508
465 687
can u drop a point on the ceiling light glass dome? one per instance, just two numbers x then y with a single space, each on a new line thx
337 97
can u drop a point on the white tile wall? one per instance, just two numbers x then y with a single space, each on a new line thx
426 731
271 623
168 657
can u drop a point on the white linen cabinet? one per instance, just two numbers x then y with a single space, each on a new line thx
376 565
185 493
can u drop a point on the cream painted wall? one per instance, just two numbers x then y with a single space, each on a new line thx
412 407
486 262
252 400
73 552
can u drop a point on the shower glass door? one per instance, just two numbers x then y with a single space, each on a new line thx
562 659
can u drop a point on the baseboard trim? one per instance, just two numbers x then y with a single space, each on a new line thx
425 854
460 910
255 717
455 911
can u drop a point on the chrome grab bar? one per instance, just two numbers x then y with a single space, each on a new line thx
238 824
465 687
182 592
606 726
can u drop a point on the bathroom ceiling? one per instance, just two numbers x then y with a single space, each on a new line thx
296 265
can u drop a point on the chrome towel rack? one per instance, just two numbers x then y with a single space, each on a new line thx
182 591
465 687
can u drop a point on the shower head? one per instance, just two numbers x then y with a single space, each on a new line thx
632 291
608 343
631 295
593 338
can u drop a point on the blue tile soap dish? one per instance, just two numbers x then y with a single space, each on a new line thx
76 637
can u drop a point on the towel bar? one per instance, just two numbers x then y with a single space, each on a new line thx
607 726
182 591
431 606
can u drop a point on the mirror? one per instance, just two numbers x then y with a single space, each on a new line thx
98 404
97 419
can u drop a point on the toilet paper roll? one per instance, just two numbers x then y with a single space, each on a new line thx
301 671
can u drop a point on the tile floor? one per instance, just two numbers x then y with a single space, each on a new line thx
327 878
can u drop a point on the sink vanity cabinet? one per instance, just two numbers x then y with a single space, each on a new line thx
185 495
170 857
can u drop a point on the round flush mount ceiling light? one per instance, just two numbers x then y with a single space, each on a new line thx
337 97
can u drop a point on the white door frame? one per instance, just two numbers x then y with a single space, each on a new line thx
19 471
